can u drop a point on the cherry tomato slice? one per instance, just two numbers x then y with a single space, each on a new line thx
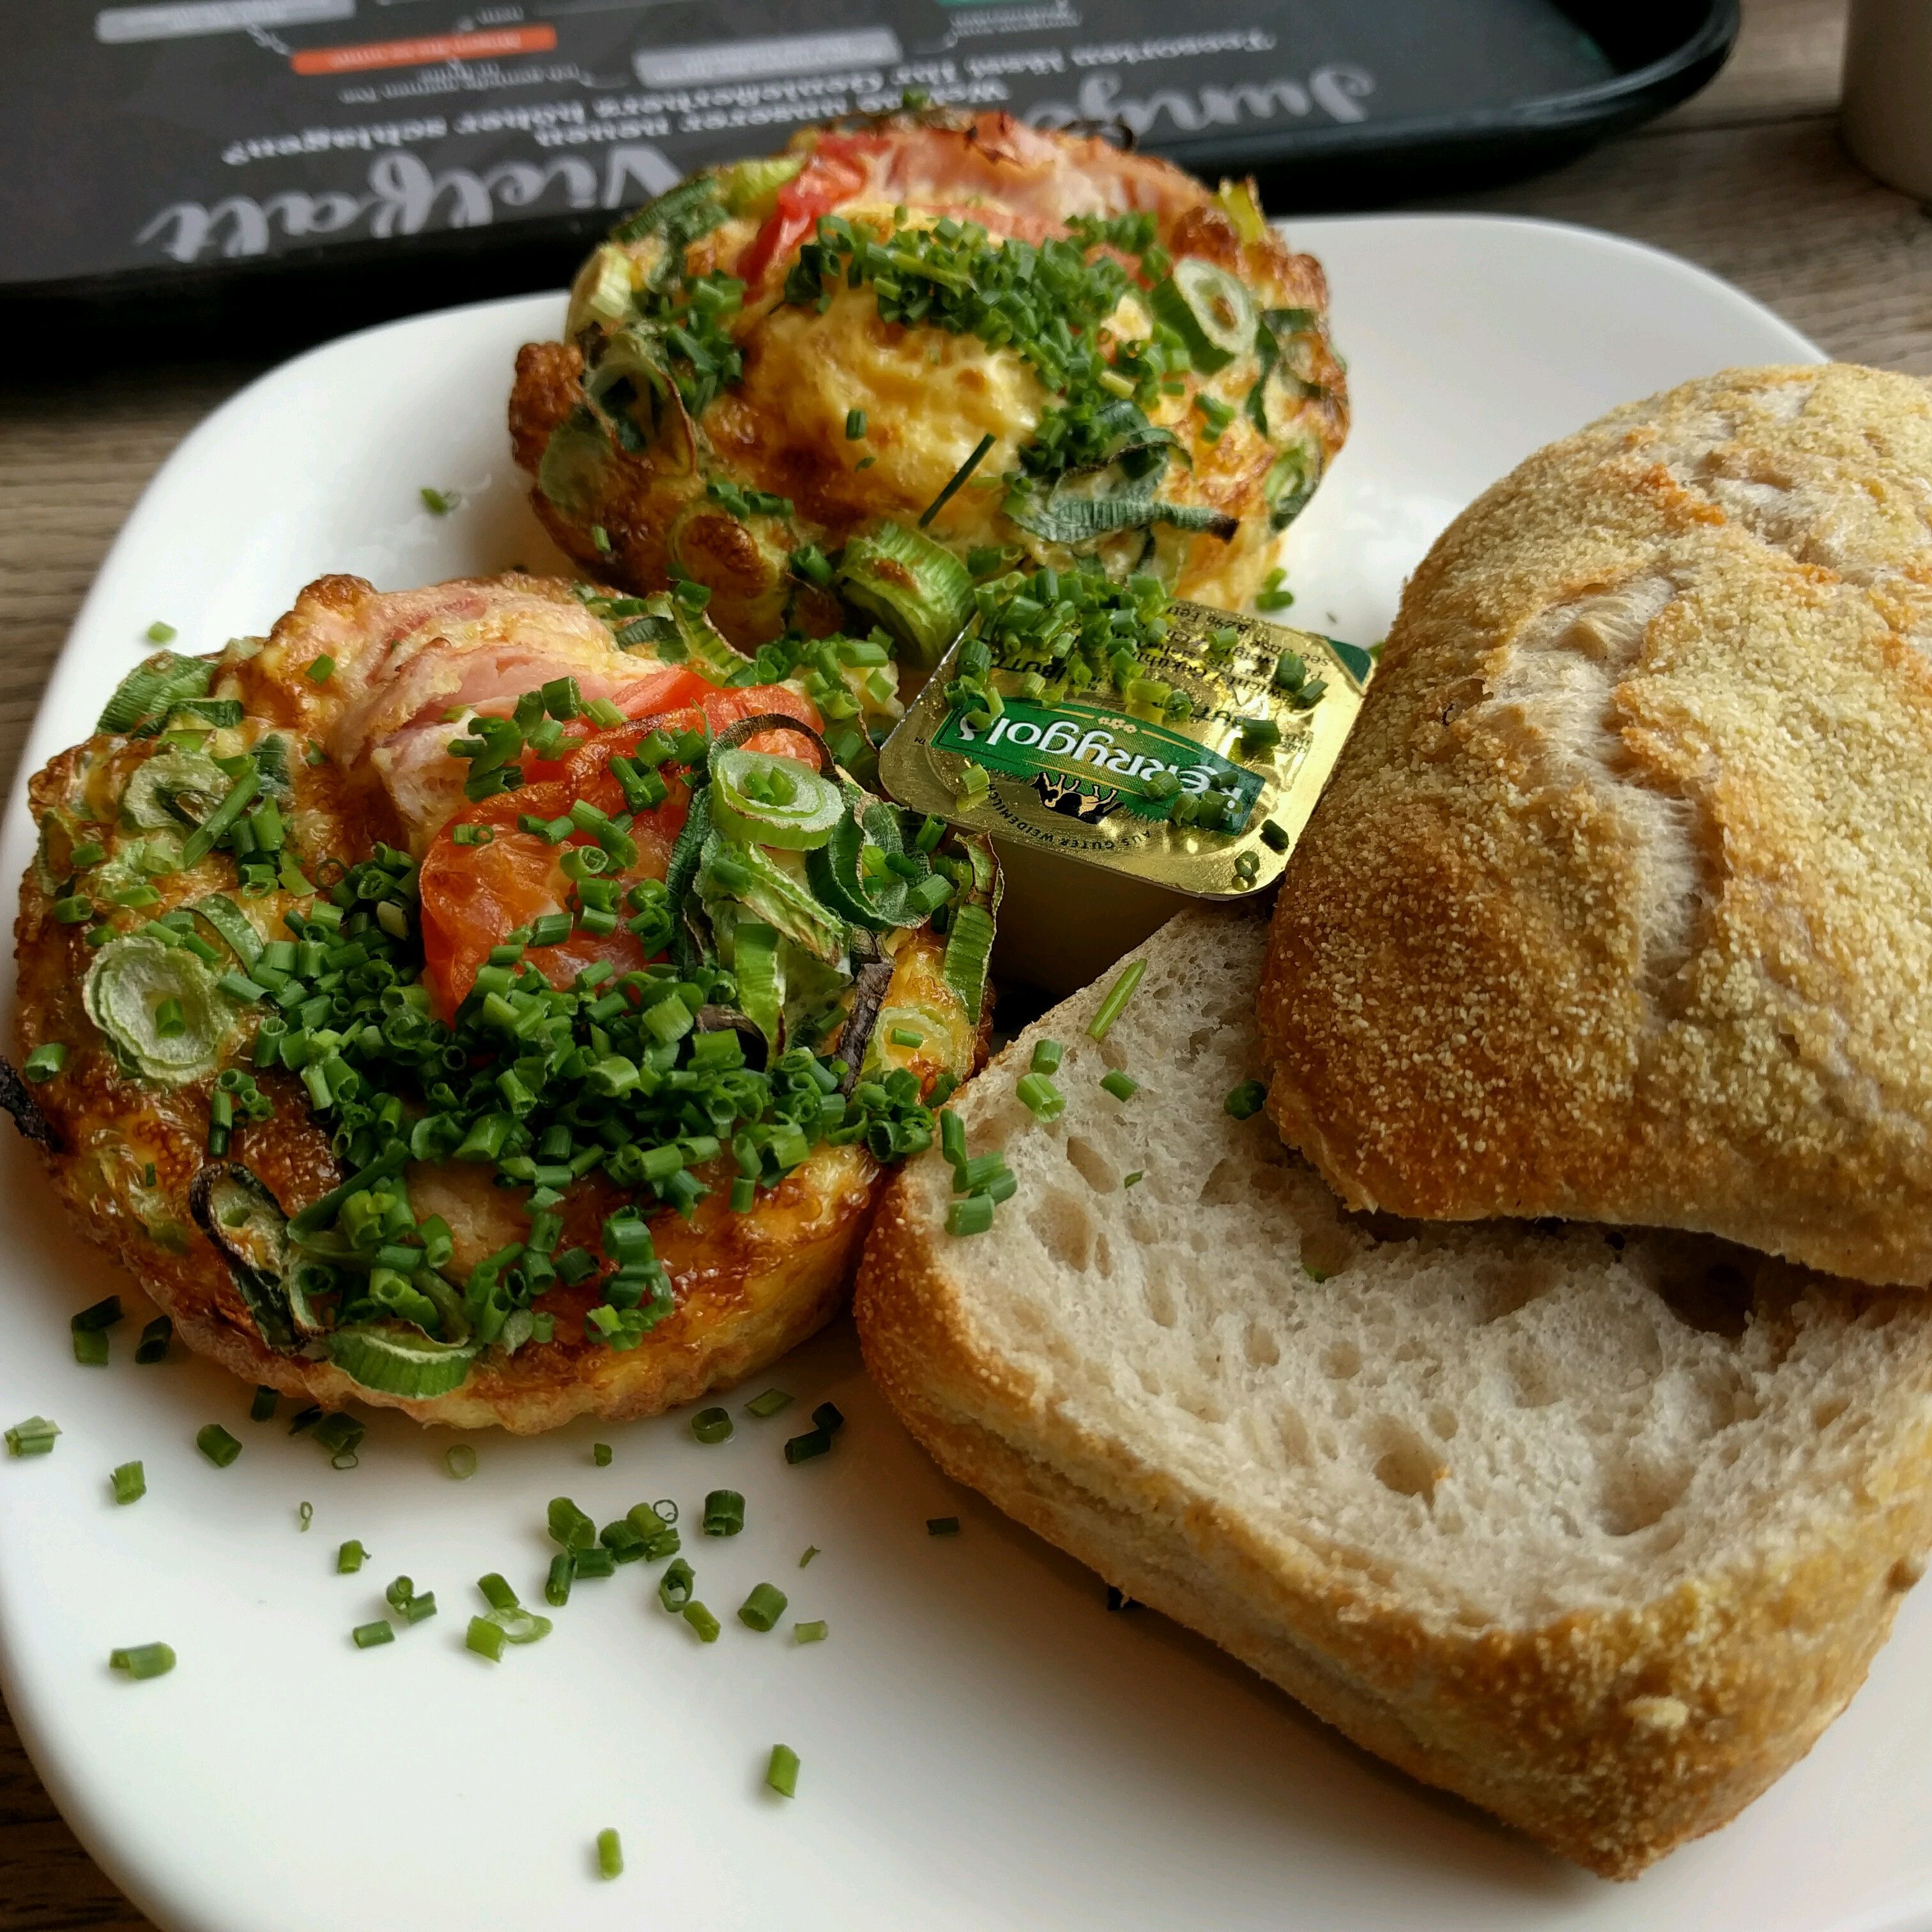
471 896
836 172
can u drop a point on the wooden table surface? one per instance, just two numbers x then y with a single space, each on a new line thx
1748 179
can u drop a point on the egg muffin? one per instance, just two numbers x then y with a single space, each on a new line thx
492 1000
913 349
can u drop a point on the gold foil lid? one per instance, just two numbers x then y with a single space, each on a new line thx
1182 783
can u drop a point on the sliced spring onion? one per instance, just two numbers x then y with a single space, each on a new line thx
970 1214
90 1348
142 1659
262 1408
1209 309
366 1636
763 1608
130 1482
556 1585
724 1513
159 1006
816 1631
915 586
401 1360
1122 1086
1039 1097
674 1586
781 1774
349 1558
712 1425
217 1444
758 798
460 1459
600 1454
155 1337
701 1620
768 1404
1047 1054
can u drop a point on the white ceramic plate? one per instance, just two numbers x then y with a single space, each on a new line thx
983 1745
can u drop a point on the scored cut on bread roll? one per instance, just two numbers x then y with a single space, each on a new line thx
1619 905
1598 1530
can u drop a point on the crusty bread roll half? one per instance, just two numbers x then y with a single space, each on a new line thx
1600 1530
1619 906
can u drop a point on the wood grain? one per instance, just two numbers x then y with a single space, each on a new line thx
1747 178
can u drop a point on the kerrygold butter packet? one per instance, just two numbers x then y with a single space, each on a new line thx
1190 762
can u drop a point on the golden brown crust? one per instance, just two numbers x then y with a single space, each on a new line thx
1609 1737
1619 906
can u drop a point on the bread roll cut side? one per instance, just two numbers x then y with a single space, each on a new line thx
1598 1531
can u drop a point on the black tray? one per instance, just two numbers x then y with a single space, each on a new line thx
289 167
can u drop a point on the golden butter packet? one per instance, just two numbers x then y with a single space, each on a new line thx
1198 780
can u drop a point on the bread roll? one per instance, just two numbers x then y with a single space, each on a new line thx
1619 907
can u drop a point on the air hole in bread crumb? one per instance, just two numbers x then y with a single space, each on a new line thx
1637 1494
1507 1286
1065 1229
1103 1258
1342 1360
1262 1350
1160 1302
1824 1414
1226 1185
1091 1165
1443 1421
1407 1464
1538 1382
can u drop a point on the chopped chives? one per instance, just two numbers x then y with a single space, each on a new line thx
1122 1085
130 1482
811 1550
368 1636
460 1459
1117 995
153 1346
160 633
724 1513
1274 836
674 1586
855 424
712 1425
262 1408
970 1214
348 1559
319 669
99 1315
217 1444
1040 1097
958 480
142 1659
763 1608
304 1515
768 1405
828 1417
556 1585
1134 1179
610 1854
803 1448
496 1592
701 1620
485 1638
569 1525
1047 1054
600 1454
90 1348
814 1632
438 503
44 1062
942 1525
781 1774
1246 1100
952 1136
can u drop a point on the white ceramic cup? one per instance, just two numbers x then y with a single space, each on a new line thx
1887 112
